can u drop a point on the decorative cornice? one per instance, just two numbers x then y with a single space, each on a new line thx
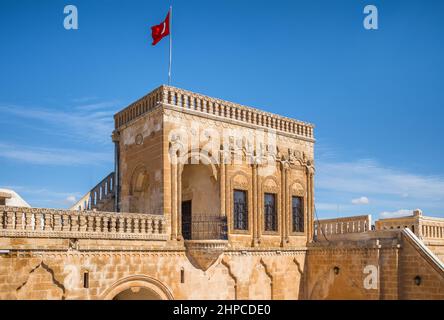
197 103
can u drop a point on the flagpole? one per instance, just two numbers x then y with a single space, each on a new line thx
171 44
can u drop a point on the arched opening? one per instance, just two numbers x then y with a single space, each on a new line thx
137 293
138 287
200 207
139 191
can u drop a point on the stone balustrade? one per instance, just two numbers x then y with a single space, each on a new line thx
51 223
432 228
338 226
212 106
103 190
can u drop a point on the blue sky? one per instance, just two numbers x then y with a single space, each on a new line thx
376 97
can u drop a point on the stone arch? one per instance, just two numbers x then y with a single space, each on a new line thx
199 184
230 273
139 193
337 287
153 287
144 192
297 188
294 290
267 269
237 184
270 184
139 180
41 276
207 160
260 279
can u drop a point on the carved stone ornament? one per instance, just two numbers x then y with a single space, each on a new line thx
204 253
139 139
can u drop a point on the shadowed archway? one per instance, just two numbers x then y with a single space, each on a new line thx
138 287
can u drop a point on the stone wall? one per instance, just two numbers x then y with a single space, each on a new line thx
422 274
338 268
61 275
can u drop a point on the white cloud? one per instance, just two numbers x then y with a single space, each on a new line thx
70 199
389 189
361 200
53 156
88 123
369 177
327 206
44 197
395 214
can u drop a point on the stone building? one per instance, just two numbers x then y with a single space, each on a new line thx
209 200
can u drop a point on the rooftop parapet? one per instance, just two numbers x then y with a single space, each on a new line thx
180 98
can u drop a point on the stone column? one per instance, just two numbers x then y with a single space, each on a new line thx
287 207
116 186
312 202
173 201
282 204
258 205
255 213
308 192
310 206
222 184
228 194
179 201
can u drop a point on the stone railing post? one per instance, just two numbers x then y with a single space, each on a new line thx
156 226
48 221
142 224
98 223
39 224
83 223
106 227
90 223
150 226
113 224
74 222
65 222
28 220
11 216
57 222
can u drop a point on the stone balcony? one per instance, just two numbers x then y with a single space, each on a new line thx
206 241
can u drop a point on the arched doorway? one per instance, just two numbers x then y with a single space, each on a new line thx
200 195
137 293
138 287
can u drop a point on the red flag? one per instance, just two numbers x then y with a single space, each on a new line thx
161 30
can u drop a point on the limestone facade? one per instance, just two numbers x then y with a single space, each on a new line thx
176 146
211 200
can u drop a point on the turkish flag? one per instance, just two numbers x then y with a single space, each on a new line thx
161 30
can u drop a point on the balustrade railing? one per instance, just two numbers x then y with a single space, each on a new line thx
217 107
432 228
203 227
345 225
33 222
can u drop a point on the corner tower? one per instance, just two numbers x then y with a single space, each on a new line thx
216 169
